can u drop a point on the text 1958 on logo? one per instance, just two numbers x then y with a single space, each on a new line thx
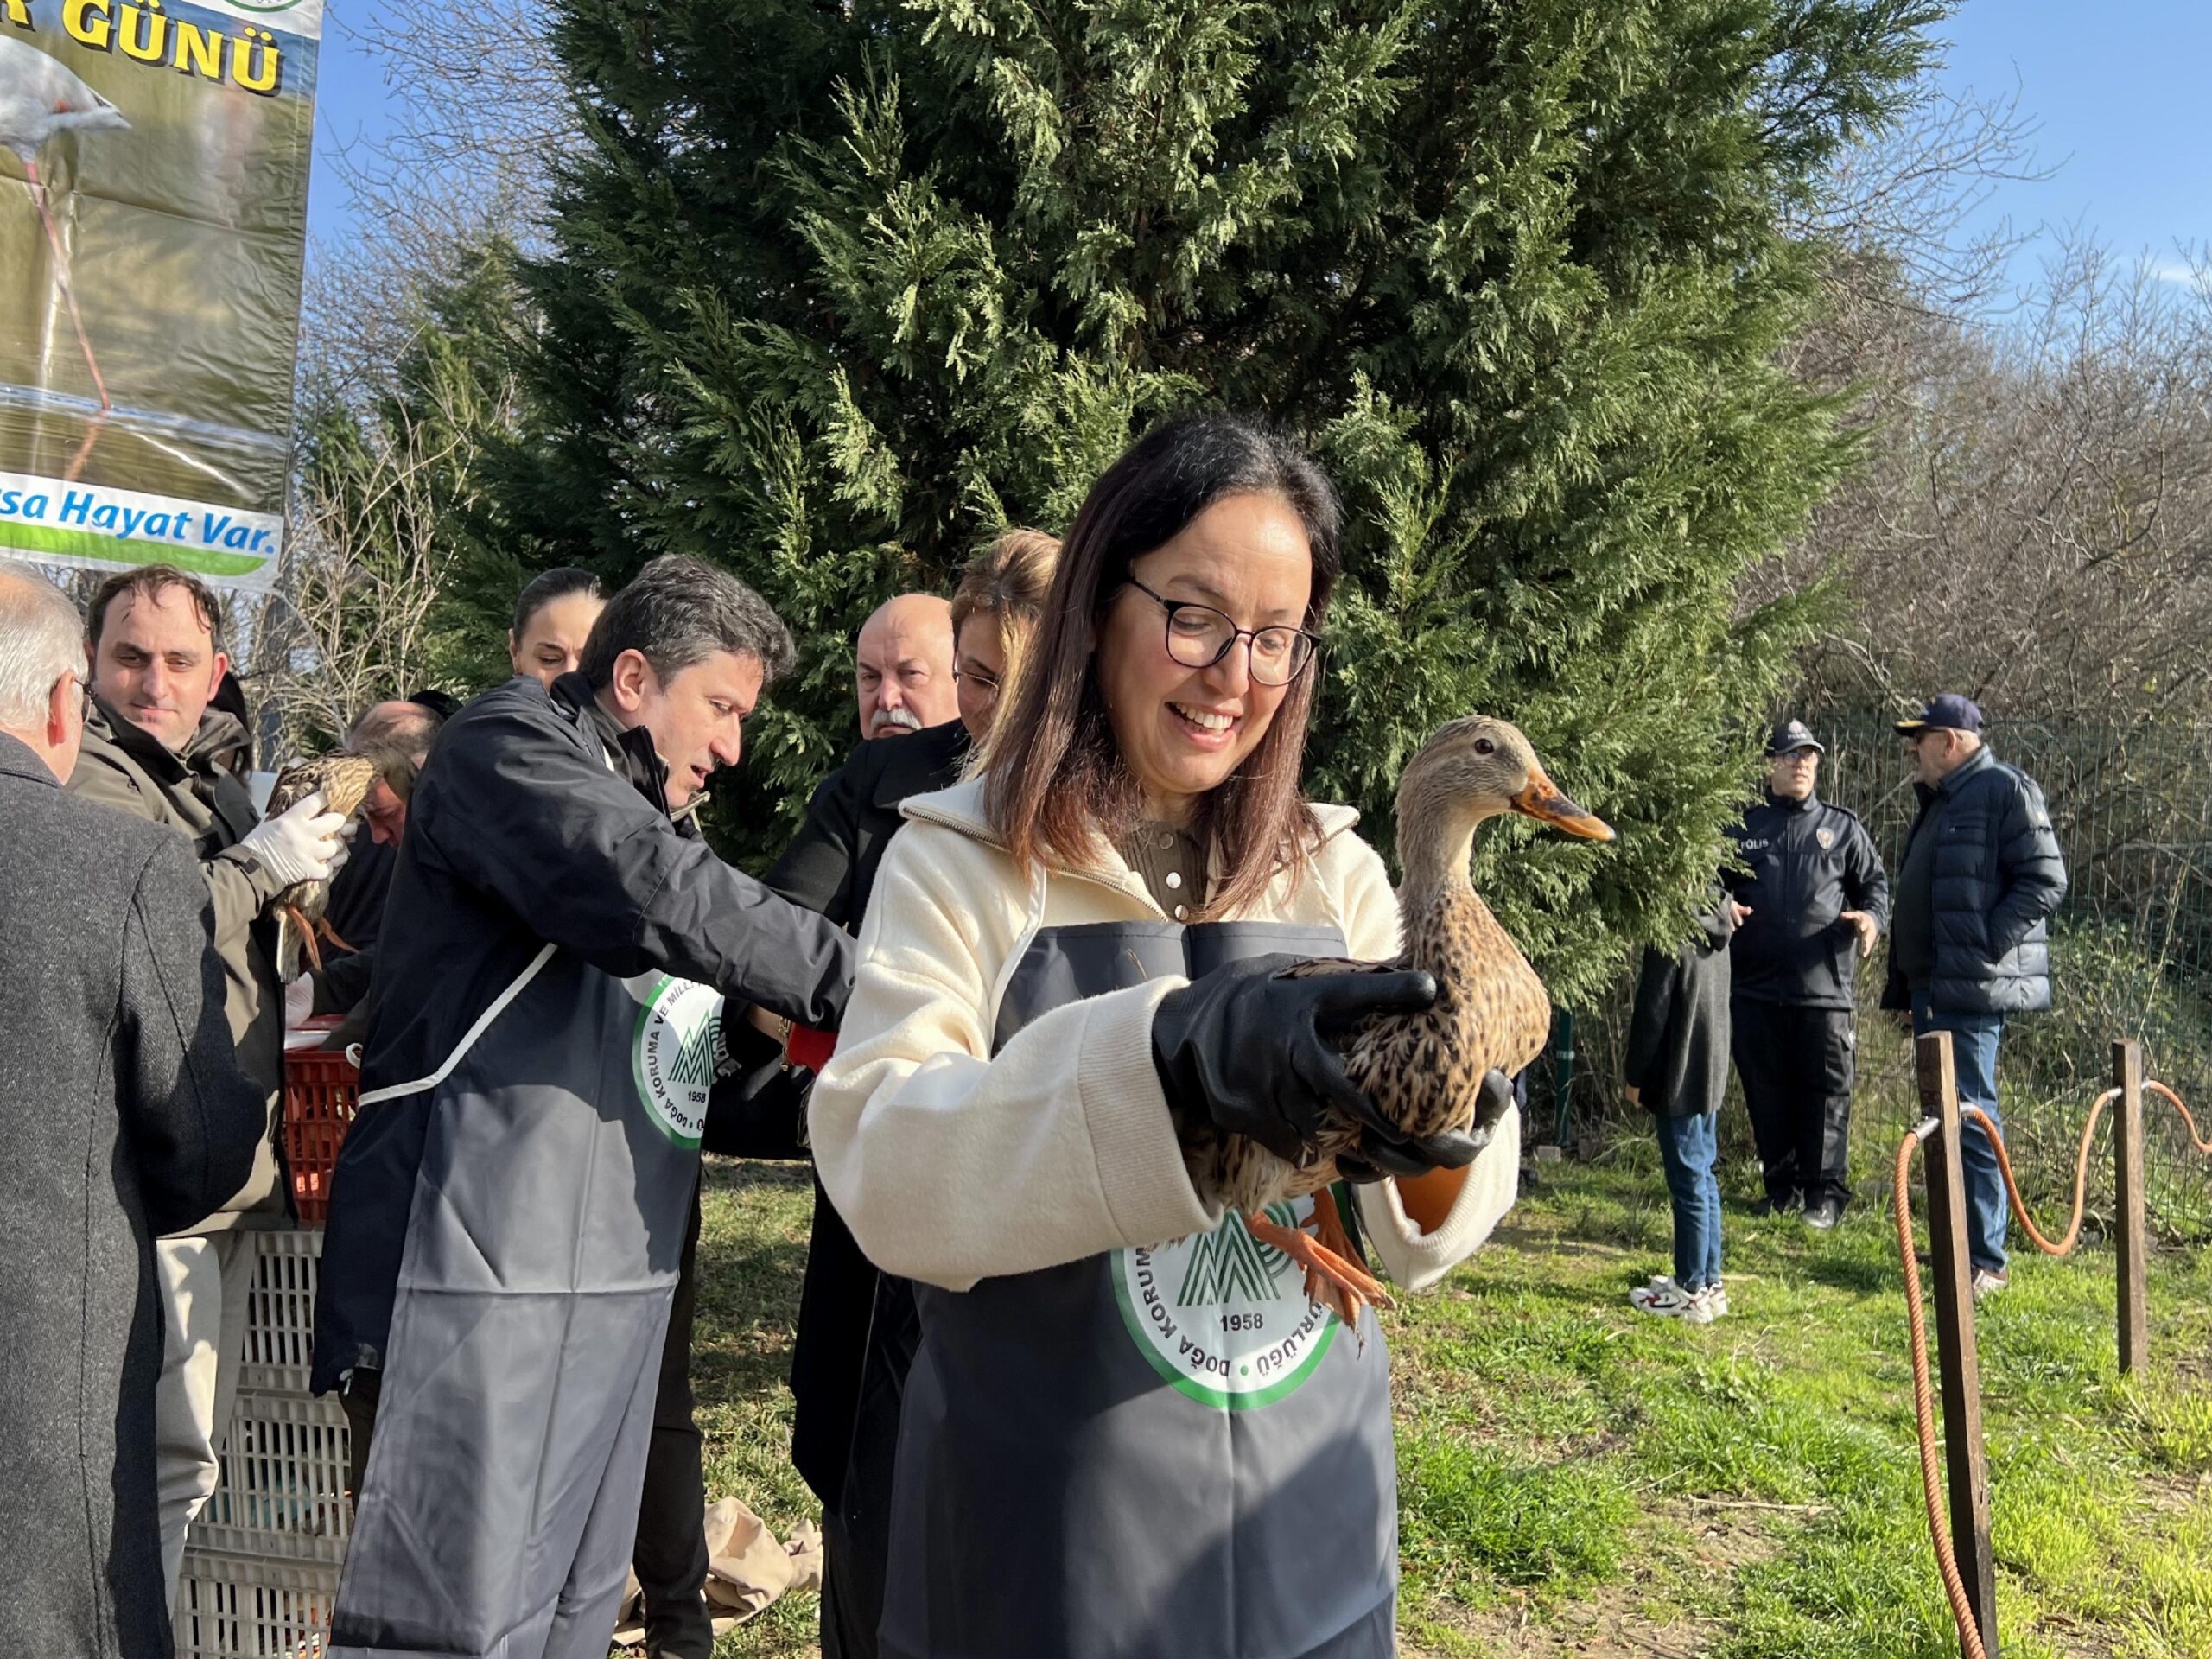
1222 1316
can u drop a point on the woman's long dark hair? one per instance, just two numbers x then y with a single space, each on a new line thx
1058 787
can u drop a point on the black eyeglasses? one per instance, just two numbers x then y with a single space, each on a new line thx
1198 636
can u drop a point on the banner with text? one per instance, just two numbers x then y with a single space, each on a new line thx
153 221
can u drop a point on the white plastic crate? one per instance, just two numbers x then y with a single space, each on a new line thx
281 1324
282 1494
229 1607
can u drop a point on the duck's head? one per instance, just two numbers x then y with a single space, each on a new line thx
1479 768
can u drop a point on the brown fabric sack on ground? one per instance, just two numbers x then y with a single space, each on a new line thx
747 1569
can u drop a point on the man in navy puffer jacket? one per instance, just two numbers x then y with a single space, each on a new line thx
1968 938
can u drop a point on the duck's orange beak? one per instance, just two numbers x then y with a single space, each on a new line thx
1541 799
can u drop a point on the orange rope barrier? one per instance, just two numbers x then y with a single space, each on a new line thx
2080 1174
1923 1411
1923 1391
2201 1144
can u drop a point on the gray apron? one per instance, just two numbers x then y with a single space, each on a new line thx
1153 1452
499 1505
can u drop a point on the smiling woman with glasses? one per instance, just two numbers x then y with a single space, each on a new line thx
1069 988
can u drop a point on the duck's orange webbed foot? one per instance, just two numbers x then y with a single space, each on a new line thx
1332 1279
307 935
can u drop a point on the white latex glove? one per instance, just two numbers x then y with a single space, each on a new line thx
299 843
299 1002
352 827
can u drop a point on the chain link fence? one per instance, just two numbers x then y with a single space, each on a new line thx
2131 953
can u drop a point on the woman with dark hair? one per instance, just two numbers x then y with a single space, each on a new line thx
856 1328
553 617
1126 1429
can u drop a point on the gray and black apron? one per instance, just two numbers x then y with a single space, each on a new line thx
500 1505
1152 1453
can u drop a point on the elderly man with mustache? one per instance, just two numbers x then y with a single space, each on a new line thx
902 671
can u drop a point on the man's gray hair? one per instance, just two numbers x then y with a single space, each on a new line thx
406 726
42 639
681 611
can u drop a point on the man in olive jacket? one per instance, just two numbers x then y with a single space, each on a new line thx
123 1114
1969 943
153 748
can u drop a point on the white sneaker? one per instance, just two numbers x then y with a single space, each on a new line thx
1663 1296
1987 1282
1716 1298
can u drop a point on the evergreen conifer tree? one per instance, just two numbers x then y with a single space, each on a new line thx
840 290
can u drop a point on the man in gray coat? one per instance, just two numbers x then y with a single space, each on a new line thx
123 1114
154 749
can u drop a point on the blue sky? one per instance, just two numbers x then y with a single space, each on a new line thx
2115 87
351 106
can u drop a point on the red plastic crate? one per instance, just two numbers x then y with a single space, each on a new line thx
320 1092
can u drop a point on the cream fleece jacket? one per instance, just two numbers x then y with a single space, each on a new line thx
950 1164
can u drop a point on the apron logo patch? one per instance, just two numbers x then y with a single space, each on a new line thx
672 1056
1222 1316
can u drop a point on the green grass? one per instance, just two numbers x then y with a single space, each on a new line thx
1575 1477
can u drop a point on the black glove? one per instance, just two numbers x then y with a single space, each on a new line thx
756 1106
1245 1052
1381 1152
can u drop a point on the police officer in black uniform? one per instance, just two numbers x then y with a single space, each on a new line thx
1817 898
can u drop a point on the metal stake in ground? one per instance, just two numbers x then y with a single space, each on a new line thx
2127 1192
1954 1344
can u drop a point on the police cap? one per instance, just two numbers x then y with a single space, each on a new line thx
1792 736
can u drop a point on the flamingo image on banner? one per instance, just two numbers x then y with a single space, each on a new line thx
153 222
38 99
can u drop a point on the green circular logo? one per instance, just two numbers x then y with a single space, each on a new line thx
1222 1316
672 1057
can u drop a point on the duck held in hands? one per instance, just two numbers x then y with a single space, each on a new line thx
1424 1071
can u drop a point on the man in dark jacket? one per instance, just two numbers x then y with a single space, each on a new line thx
1818 898
1970 944
122 1115
856 1328
509 1210
156 746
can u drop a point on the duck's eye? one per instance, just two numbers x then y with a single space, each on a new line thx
1484 746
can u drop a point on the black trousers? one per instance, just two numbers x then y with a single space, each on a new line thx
856 1529
852 1592
670 1557
358 1398
1796 1064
